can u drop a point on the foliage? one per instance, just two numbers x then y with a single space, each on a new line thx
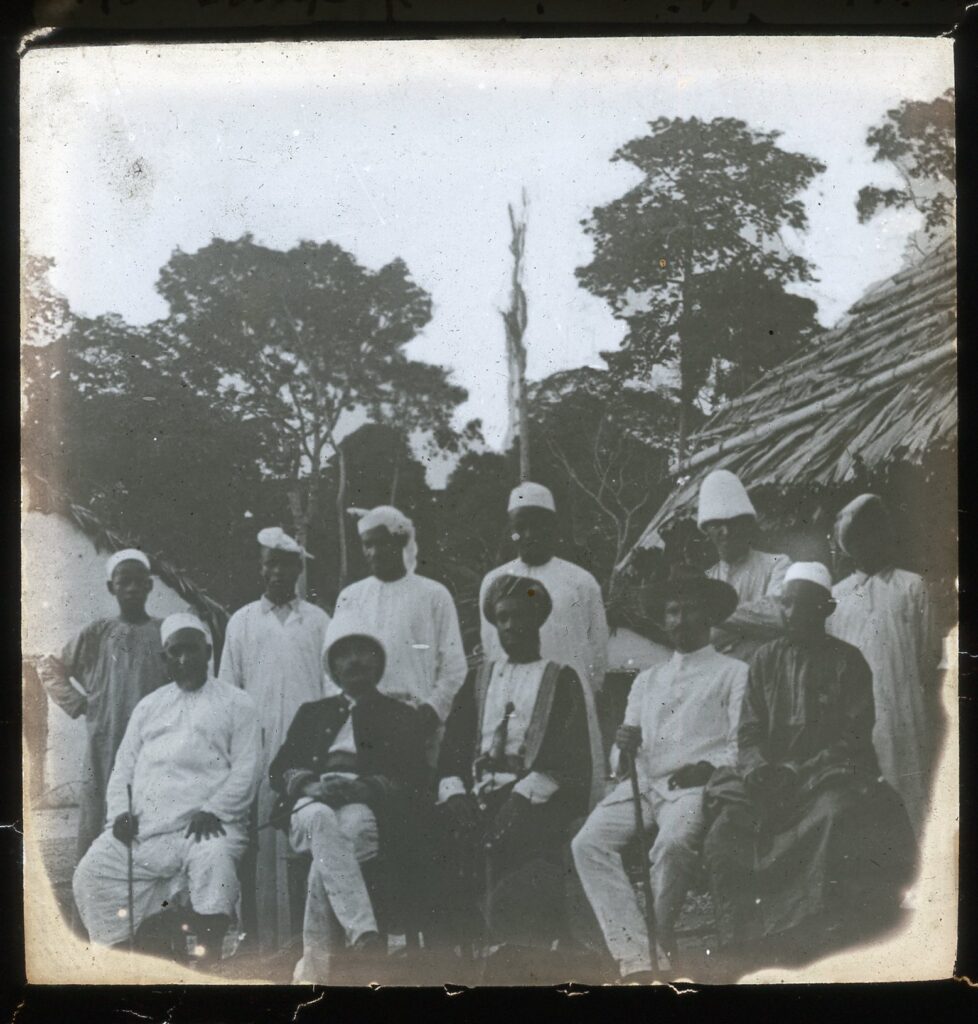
704 221
917 139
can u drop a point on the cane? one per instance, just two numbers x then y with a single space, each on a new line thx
132 920
643 844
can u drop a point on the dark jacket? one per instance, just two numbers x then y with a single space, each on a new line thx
564 753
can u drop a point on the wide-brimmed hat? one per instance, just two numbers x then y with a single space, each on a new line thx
532 592
720 598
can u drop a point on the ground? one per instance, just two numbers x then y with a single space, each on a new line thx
57 827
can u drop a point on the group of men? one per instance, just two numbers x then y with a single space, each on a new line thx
781 744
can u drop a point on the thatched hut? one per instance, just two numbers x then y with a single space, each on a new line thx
871 405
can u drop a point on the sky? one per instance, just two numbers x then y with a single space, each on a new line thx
414 150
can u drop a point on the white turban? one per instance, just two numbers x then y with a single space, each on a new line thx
722 496
396 523
127 555
812 572
531 495
276 539
182 620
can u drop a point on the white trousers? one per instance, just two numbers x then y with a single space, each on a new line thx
338 908
597 850
162 867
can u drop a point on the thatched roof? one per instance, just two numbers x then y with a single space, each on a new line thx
45 498
876 389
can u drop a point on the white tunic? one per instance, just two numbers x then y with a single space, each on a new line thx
758 579
415 619
183 752
889 617
279 663
688 710
576 634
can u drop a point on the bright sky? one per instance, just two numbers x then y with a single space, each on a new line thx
413 149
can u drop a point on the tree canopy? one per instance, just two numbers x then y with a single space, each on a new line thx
917 139
693 257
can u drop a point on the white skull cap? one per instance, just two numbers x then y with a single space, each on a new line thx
276 539
531 495
182 620
126 555
812 572
723 496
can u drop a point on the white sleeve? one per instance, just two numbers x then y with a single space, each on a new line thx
233 797
598 631
735 707
537 787
232 667
490 639
633 716
123 769
450 663
449 787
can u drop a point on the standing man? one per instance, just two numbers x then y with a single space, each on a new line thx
576 633
273 651
887 614
728 518
190 756
412 616
680 725
809 848
115 662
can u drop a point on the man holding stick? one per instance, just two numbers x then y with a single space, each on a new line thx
680 724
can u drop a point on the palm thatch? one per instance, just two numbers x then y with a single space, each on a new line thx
45 498
876 390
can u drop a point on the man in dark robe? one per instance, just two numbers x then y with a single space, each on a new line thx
514 775
351 777
809 848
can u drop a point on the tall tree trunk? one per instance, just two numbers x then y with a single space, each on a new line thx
341 515
300 523
515 321
395 477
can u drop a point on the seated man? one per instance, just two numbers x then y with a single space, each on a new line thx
808 843
515 771
190 756
679 725
350 776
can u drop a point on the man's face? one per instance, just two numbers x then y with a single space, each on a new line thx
279 572
686 622
130 585
804 607
535 533
731 537
187 654
515 625
384 552
356 666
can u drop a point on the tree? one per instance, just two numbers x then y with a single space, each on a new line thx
917 139
612 443
304 342
705 219
515 319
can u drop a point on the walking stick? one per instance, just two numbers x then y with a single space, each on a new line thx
643 844
132 920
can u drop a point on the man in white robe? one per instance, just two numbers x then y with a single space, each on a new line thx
727 516
576 633
273 650
680 725
886 612
412 616
190 756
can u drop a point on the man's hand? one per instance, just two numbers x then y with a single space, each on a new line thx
204 825
691 775
505 827
430 721
628 739
461 812
126 827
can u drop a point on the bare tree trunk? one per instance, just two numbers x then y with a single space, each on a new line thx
395 479
300 520
341 515
515 320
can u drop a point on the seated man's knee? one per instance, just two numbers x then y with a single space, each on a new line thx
217 851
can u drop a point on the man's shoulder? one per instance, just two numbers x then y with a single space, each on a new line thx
161 695
313 610
432 588
576 572
726 665
231 694
244 612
